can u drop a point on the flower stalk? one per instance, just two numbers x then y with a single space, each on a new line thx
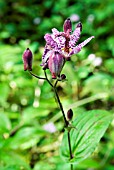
59 48
66 123
63 113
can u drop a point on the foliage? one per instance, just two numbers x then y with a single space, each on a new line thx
26 105
87 130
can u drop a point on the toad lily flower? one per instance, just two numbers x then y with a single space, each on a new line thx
60 46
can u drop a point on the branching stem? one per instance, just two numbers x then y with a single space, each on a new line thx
63 113
61 108
37 76
48 79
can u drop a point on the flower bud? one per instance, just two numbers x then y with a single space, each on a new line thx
27 59
63 77
79 25
69 114
67 27
55 63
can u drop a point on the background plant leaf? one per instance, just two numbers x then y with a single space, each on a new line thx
89 129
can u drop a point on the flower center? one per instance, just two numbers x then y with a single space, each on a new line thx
66 49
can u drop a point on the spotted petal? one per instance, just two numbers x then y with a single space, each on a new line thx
45 58
78 48
76 35
50 41
55 32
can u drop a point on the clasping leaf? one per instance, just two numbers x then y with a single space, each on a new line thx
90 127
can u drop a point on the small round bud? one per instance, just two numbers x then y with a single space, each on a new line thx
63 77
69 114
68 58
27 59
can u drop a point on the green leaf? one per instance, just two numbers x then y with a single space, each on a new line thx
32 114
5 124
40 165
110 44
98 83
89 129
4 92
10 160
26 137
83 72
109 65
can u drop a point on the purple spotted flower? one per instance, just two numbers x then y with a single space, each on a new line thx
60 46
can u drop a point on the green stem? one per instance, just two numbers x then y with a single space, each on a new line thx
71 167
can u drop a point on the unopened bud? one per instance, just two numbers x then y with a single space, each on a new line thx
69 114
55 64
79 25
63 77
68 58
67 26
27 59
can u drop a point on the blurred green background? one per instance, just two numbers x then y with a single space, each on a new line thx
31 125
